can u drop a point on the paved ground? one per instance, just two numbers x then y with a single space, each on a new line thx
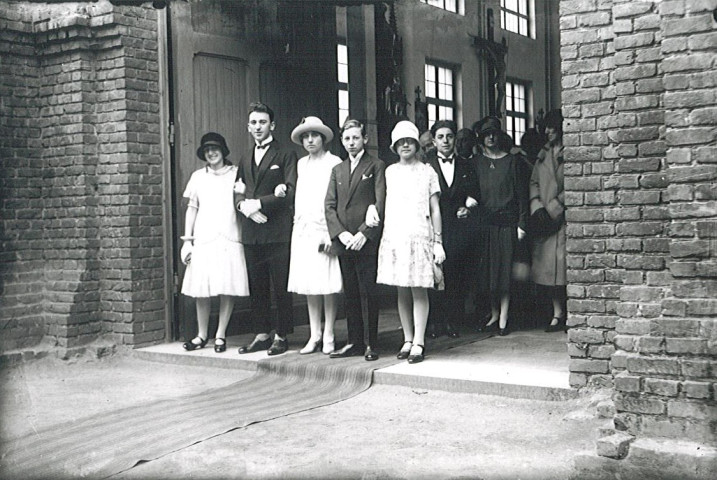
386 432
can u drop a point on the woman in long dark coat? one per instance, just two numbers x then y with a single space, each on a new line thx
547 192
503 204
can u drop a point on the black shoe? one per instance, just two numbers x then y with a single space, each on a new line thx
348 351
452 331
278 347
255 346
370 354
403 354
418 358
220 347
503 331
434 330
558 327
190 345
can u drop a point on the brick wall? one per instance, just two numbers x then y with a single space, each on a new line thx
82 176
641 107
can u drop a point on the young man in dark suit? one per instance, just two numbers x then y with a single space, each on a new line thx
355 204
458 183
266 232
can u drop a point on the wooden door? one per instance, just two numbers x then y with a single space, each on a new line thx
226 54
213 83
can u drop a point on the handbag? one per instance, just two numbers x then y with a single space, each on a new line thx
438 280
541 225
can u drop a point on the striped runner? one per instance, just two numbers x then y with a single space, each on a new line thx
109 443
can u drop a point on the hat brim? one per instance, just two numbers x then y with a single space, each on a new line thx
393 145
304 128
212 143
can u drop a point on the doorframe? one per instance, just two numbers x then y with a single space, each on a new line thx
166 119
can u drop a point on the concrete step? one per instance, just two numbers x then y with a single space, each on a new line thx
524 364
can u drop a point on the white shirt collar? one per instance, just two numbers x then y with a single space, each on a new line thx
268 140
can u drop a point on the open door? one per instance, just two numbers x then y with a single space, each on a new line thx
226 54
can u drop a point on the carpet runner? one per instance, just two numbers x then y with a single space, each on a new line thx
109 443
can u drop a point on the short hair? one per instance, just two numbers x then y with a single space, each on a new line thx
353 123
261 108
444 124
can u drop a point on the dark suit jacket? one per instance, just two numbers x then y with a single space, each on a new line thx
348 197
465 184
278 166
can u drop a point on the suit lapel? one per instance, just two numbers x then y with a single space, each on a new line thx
358 173
266 161
441 179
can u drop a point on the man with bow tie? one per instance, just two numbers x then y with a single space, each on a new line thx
459 193
266 231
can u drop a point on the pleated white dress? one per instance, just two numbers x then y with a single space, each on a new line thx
405 254
217 266
312 272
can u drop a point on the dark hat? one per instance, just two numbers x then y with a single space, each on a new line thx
554 119
493 125
489 125
212 139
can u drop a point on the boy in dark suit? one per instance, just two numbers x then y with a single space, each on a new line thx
266 233
458 182
355 203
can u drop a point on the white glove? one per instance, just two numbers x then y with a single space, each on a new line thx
372 218
280 190
250 207
439 255
521 233
186 253
240 187
346 238
471 202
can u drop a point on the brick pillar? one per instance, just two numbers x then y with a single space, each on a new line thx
640 186
591 181
82 253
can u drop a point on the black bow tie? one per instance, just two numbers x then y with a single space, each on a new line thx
261 147
446 159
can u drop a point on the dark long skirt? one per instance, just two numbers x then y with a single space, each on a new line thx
497 248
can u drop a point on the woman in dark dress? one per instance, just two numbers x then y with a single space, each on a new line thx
503 204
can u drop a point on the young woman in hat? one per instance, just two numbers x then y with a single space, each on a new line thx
411 241
547 200
504 206
314 270
211 250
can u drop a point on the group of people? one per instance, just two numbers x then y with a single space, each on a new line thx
434 224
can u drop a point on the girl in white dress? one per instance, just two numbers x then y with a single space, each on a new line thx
411 240
211 250
313 270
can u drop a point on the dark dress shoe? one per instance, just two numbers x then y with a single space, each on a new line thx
370 354
503 331
190 345
220 347
452 331
403 353
434 330
255 346
417 358
347 351
278 347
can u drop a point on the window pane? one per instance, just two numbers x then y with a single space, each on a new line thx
449 93
441 75
523 7
343 99
343 71
511 5
451 5
523 30
343 115
342 53
449 76
430 89
430 73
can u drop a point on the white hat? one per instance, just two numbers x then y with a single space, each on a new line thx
403 129
311 124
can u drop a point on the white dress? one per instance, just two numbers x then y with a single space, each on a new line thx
217 265
405 255
312 272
